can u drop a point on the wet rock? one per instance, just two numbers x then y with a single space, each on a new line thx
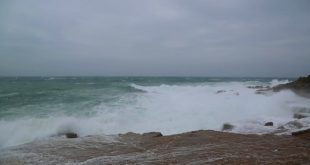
300 116
227 127
305 134
152 134
269 124
291 125
205 147
301 86
71 135
257 87
220 91
302 132
265 92
197 131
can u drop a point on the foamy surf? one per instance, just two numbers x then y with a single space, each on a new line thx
169 108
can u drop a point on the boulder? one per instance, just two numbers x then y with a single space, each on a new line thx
220 91
71 135
227 127
305 134
269 124
301 132
300 116
152 134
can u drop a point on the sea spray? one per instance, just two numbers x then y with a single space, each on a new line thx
119 105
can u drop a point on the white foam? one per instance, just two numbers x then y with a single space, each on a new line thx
276 82
169 109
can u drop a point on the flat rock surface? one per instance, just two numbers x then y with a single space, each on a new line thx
197 147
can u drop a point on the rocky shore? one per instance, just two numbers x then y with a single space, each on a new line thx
301 84
197 147
301 87
282 146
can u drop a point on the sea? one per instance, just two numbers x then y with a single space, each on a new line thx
36 108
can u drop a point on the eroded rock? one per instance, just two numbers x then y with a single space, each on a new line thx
300 115
152 134
220 91
302 134
227 127
301 86
269 124
201 147
70 135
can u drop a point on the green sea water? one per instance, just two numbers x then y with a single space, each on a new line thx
41 96
40 107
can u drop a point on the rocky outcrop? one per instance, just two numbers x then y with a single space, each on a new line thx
269 124
227 127
220 91
196 147
68 135
152 134
71 135
301 86
300 115
302 134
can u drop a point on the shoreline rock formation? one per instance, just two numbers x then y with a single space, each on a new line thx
301 86
196 147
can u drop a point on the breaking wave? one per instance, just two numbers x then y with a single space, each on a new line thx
166 108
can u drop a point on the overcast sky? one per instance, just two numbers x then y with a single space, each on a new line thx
155 37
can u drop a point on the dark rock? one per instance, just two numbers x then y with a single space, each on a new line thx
301 86
220 91
227 127
305 134
299 116
71 135
291 125
297 133
152 134
256 87
197 131
269 124
266 91
130 135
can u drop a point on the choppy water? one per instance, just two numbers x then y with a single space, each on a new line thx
39 107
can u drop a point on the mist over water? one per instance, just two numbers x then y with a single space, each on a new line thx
36 108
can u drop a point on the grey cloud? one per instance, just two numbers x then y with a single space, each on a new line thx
156 37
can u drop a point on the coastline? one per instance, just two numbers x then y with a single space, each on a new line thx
196 147
288 144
